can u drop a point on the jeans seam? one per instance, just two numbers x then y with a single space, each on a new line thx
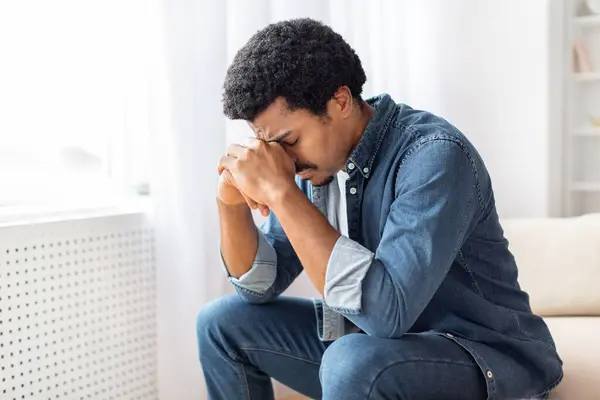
464 364
529 335
245 380
551 387
281 353
468 270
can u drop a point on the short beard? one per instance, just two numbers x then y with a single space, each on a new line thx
325 182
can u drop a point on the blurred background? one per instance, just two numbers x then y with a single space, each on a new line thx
111 128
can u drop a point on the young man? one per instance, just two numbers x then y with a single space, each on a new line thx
391 215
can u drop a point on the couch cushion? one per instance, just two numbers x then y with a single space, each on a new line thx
577 343
559 263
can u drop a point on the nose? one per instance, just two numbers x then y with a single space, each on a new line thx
291 153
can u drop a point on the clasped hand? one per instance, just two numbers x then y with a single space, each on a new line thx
261 171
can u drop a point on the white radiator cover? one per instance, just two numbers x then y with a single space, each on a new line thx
78 309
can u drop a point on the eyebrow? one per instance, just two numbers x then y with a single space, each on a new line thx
279 138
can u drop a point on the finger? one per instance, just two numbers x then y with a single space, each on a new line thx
264 210
236 150
229 177
251 203
226 162
231 181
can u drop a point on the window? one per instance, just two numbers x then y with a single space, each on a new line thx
74 100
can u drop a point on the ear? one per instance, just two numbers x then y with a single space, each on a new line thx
343 101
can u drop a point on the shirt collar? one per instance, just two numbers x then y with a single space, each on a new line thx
364 153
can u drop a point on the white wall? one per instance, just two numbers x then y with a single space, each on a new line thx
485 66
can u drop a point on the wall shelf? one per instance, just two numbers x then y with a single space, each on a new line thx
585 187
586 76
581 108
586 132
589 21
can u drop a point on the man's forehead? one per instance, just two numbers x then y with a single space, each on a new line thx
266 132
271 122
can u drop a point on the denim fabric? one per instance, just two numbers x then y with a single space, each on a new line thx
243 345
425 253
263 272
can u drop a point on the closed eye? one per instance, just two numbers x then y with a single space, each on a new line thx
291 144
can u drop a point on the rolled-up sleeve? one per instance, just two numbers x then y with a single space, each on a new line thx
346 269
263 273
275 266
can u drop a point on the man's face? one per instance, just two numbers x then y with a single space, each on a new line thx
314 143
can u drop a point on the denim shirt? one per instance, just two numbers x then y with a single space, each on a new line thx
425 253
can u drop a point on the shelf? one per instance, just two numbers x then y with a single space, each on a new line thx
585 187
588 21
588 131
586 77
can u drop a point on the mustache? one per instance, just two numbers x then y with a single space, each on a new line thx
304 166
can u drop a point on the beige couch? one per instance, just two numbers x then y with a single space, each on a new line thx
559 266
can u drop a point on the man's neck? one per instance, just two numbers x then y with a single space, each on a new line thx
366 112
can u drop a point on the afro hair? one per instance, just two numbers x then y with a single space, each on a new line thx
302 60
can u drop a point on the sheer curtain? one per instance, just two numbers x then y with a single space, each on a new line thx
190 133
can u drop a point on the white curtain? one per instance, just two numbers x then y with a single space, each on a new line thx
200 38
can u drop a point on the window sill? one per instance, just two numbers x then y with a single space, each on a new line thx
34 214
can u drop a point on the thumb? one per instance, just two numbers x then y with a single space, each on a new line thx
228 177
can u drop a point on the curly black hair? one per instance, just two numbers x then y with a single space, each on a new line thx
302 60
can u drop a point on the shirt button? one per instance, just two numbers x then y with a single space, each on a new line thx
352 190
351 166
449 335
366 170
489 374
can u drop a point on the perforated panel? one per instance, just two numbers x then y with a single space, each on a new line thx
78 310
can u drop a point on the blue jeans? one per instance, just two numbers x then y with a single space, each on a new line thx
243 345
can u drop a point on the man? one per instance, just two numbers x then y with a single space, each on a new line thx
392 216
